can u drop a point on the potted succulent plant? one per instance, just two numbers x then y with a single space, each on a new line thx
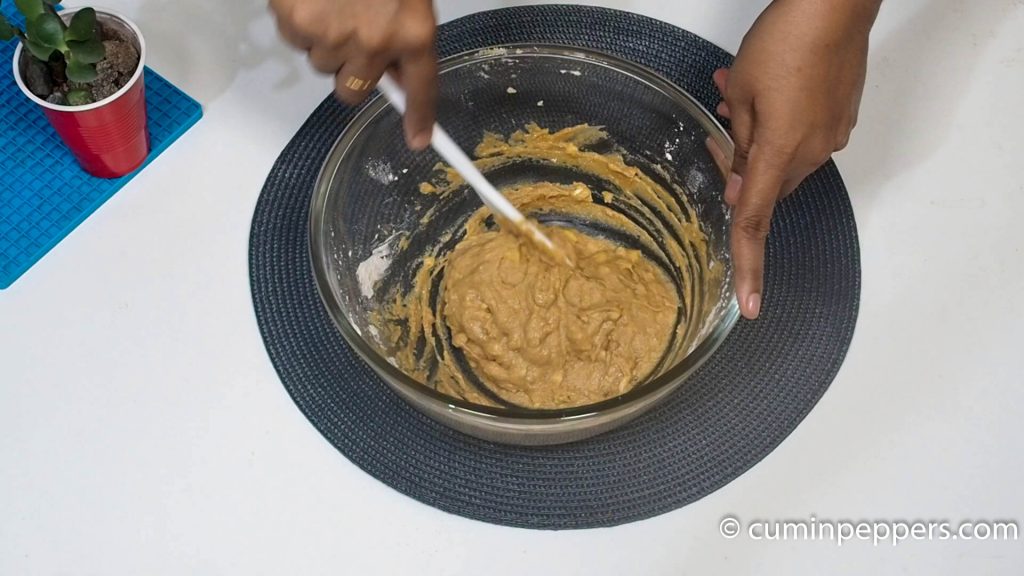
84 68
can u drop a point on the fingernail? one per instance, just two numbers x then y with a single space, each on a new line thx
420 140
753 306
732 188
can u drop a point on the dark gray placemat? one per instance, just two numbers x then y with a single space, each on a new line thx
738 407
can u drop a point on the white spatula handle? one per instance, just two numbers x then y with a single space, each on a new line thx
456 158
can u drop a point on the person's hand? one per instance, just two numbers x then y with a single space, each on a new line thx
357 40
792 97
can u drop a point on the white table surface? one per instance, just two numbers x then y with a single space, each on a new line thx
143 429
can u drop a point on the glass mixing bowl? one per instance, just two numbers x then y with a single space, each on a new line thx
366 231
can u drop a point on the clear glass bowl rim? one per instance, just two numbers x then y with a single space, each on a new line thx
672 377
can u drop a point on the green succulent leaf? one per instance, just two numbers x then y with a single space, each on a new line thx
89 51
38 50
79 97
30 8
52 9
46 29
6 30
79 71
82 27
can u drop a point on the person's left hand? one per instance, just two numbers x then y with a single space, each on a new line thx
792 97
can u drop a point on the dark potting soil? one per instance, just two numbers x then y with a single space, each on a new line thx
113 72
116 68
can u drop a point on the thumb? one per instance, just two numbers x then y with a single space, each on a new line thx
761 182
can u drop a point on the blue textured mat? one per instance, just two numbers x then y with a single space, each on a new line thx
44 194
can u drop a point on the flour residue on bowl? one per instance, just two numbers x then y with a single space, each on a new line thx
370 271
381 171
492 52
670 148
695 179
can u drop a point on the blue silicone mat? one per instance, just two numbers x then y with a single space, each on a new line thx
44 194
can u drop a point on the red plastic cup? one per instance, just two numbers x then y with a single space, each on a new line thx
108 138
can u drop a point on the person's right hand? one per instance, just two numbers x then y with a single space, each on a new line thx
792 96
358 40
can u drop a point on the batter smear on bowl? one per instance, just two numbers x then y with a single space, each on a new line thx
496 321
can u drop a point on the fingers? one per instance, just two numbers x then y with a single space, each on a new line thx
293 37
721 79
327 59
419 79
751 189
732 189
723 162
758 192
357 40
357 78
738 108
293 22
742 120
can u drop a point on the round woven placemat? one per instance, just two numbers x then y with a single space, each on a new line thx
738 407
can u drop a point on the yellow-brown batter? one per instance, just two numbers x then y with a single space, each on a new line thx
496 321
543 334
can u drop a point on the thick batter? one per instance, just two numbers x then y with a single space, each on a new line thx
543 334
496 321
